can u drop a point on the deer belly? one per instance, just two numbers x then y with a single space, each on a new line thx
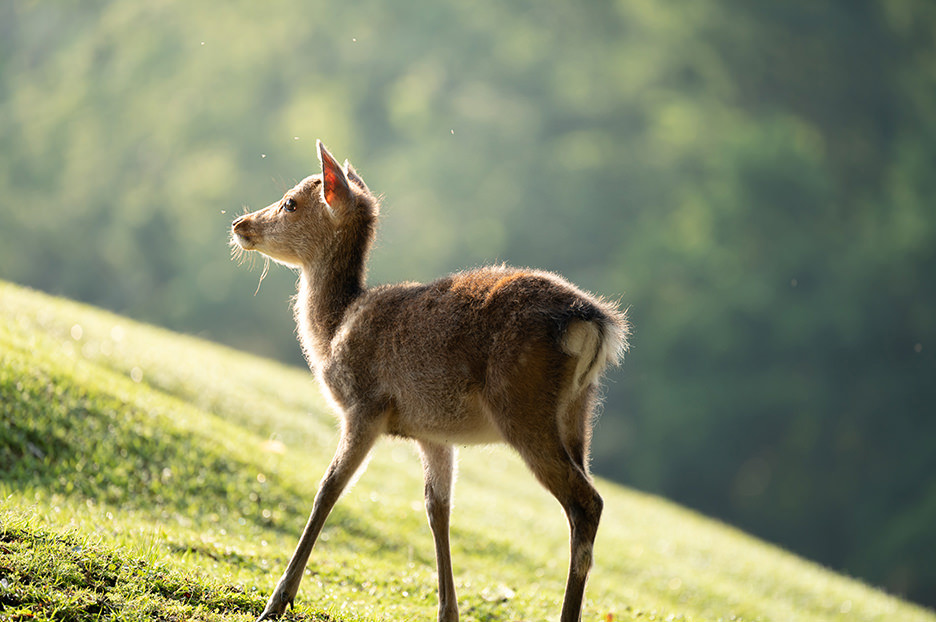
461 421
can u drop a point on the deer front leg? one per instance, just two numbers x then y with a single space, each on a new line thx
355 443
438 464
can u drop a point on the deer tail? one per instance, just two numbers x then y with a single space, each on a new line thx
595 343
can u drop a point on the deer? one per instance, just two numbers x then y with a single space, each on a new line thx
489 355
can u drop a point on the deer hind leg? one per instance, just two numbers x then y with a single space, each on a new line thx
569 483
555 451
357 437
438 464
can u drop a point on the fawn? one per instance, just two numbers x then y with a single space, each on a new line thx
494 354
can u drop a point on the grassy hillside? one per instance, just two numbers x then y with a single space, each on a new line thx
148 475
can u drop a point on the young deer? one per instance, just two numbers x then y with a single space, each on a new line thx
489 355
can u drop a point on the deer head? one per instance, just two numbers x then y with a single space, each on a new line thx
324 214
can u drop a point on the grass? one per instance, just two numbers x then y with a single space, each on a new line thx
69 577
152 476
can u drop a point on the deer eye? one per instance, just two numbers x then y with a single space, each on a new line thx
289 205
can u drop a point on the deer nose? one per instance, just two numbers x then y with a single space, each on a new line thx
242 225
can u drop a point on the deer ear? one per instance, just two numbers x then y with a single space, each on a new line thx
335 186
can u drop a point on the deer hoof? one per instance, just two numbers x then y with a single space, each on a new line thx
277 606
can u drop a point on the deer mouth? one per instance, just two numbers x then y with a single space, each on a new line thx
243 241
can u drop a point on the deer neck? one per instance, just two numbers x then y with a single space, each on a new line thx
326 291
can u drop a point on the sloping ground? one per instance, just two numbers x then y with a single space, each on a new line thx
148 475
65 577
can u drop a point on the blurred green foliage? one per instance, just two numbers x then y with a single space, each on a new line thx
754 179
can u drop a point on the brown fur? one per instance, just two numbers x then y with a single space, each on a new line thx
495 354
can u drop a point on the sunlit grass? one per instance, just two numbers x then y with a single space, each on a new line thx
148 475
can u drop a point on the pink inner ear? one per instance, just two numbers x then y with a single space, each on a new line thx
335 185
331 184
